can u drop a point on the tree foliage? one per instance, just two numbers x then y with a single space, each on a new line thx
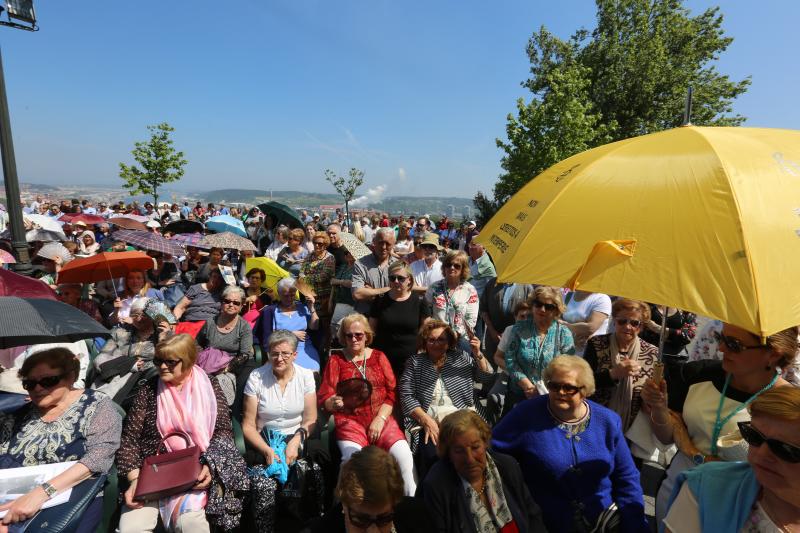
627 77
159 161
346 186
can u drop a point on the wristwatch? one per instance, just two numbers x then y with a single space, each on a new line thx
49 489
698 458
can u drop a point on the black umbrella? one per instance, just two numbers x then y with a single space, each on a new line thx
185 226
38 320
281 214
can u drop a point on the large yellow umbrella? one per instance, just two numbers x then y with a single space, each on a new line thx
273 271
704 219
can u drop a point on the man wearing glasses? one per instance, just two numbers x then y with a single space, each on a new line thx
427 270
370 274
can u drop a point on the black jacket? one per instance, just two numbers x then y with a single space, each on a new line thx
444 495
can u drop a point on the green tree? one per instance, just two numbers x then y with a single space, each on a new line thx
627 77
346 186
159 161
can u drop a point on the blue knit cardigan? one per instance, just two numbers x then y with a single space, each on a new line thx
573 478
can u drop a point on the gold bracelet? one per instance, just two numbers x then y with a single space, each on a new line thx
382 417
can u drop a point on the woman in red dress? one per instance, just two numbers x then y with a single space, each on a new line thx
358 387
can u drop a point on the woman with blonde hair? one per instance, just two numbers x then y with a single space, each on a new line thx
533 344
573 453
292 255
181 399
453 299
699 404
762 494
358 387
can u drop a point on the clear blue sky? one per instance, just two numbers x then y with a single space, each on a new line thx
268 93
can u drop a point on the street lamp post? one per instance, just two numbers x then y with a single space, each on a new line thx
22 16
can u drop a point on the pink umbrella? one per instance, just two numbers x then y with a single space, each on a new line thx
6 258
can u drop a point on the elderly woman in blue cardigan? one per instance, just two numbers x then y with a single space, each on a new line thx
573 453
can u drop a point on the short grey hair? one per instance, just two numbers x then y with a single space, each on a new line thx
386 233
336 225
233 289
573 363
286 283
279 336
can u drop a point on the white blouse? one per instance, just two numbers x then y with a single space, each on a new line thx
278 410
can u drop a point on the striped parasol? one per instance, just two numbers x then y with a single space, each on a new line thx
149 241
190 239
229 241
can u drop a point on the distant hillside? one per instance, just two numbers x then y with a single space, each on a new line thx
33 186
392 204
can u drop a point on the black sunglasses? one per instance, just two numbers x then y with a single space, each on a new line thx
785 452
394 277
364 520
734 344
231 302
171 363
632 321
564 388
547 307
45 382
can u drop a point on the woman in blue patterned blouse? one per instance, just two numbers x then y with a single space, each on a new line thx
534 343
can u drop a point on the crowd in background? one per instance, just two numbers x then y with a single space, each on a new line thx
392 376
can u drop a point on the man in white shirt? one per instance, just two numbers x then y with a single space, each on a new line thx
427 270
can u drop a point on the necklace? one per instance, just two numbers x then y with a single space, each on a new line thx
363 368
483 485
720 423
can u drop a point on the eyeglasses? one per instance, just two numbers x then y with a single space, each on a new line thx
356 336
563 388
547 307
437 340
364 521
231 302
170 363
332 233
632 321
454 266
395 277
783 451
136 315
318 243
281 355
46 382
734 344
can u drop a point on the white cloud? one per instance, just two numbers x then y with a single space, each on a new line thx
373 195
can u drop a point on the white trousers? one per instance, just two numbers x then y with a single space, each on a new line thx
399 450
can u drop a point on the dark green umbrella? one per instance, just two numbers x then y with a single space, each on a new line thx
281 214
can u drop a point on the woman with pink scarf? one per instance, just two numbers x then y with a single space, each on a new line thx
184 399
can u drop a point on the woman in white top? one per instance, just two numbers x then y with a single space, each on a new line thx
586 316
404 244
282 396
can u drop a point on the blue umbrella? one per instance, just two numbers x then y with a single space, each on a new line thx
226 223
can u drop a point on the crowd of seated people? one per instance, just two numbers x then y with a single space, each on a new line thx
394 396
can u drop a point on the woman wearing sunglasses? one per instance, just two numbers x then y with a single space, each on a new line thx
318 269
702 401
371 499
533 344
762 494
396 316
573 454
358 387
453 299
61 423
622 361
230 333
181 399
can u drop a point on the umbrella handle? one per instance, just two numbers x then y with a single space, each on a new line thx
111 277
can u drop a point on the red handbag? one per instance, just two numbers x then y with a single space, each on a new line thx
169 473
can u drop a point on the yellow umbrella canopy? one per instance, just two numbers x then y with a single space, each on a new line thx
273 271
700 218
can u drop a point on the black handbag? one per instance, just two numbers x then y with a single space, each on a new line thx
302 496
